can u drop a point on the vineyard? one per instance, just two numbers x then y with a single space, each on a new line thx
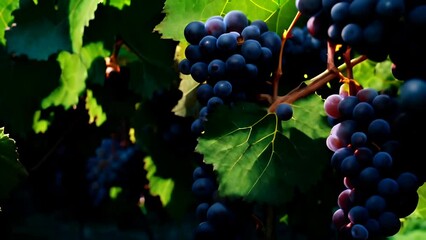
212 119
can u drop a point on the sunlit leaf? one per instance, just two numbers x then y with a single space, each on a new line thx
158 186
6 17
117 3
377 75
96 114
74 73
79 15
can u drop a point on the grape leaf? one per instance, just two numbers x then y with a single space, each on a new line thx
117 3
11 170
421 206
254 158
40 31
79 15
155 68
309 117
277 14
158 186
6 17
377 75
96 114
74 73
44 29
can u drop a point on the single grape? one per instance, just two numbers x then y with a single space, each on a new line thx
251 32
284 111
251 50
388 187
222 89
194 32
331 105
413 95
359 232
375 204
352 34
185 66
358 214
215 26
235 21
204 93
218 214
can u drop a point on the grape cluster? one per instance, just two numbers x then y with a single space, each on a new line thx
218 218
374 152
231 57
106 168
375 28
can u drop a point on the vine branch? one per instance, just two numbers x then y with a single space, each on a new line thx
314 84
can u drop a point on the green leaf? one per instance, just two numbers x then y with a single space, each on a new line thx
40 31
277 14
79 15
421 206
6 17
377 75
74 73
309 117
158 186
12 172
254 160
117 3
44 29
96 114
155 68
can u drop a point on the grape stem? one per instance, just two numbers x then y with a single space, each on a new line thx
313 84
279 72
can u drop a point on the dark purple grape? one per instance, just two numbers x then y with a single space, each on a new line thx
194 32
251 50
222 89
382 160
359 232
235 21
203 188
208 46
309 7
284 111
204 93
352 34
199 72
375 204
217 69
215 26
358 214
185 66
388 187
218 214
251 32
